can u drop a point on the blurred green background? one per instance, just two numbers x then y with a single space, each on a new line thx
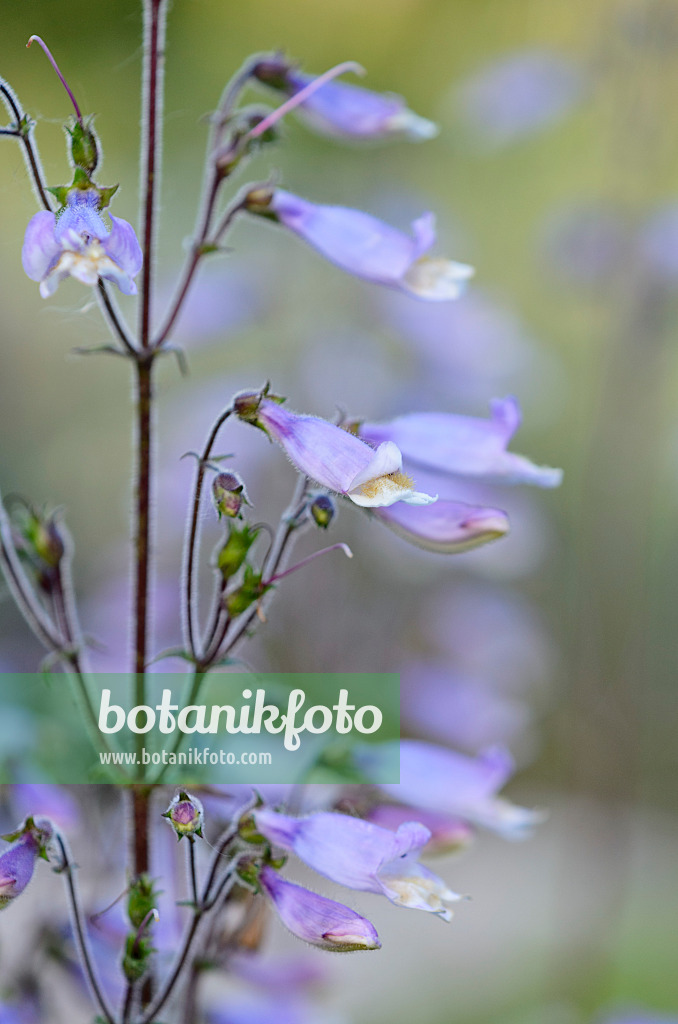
569 216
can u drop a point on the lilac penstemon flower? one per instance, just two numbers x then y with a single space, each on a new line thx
465 446
316 919
333 457
18 860
346 111
362 856
442 780
367 247
76 243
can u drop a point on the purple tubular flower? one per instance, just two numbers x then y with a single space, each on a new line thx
464 445
316 919
448 527
76 243
16 867
445 781
362 856
334 457
368 248
351 112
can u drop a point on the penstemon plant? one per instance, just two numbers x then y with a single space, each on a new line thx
365 838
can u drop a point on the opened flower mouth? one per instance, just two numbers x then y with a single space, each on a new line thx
76 243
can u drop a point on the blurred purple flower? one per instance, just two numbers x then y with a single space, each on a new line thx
333 457
46 800
468 347
445 781
585 244
347 111
518 95
658 243
465 712
448 834
491 635
464 445
371 249
78 244
316 919
362 856
218 304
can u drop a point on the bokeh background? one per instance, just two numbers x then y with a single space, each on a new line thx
556 175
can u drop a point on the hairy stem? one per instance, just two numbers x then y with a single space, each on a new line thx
155 17
114 320
23 132
66 868
189 610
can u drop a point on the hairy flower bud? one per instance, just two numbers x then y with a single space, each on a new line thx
232 555
143 897
229 495
186 816
251 590
323 510
44 539
84 149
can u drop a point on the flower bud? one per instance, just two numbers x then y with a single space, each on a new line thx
259 201
143 897
84 150
251 590
229 495
234 552
242 143
186 816
139 948
45 540
323 509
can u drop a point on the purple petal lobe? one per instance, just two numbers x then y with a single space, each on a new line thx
446 527
316 919
123 247
40 249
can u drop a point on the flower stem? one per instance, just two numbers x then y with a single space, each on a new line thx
23 131
66 868
155 17
192 543
113 319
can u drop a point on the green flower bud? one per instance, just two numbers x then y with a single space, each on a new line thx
143 897
138 952
84 149
235 550
251 590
